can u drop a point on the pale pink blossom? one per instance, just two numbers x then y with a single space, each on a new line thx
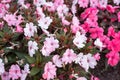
81 78
68 56
94 3
50 44
5 76
15 72
117 2
10 19
30 29
98 43
65 22
49 71
2 68
83 3
32 47
39 3
103 3
62 10
25 72
57 61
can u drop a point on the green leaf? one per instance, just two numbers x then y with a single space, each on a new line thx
34 71
30 59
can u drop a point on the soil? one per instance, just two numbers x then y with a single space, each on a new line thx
106 72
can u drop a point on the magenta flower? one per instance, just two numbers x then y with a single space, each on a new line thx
113 58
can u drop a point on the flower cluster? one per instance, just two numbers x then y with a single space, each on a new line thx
57 39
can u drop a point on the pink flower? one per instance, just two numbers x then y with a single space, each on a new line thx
83 3
19 29
3 9
5 76
118 14
113 58
49 71
68 56
97 56
6 1
14 72
57 61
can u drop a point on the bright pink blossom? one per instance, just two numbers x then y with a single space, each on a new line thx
118 14
113 58
111 32
96 32
49 71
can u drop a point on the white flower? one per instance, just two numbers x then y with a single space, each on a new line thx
79 40
79 58
2 69
62 10
81 78
32 46
86 61
91 61
44 22
38 3
98 43
39 11
117 2
103 3
30 29
25 72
